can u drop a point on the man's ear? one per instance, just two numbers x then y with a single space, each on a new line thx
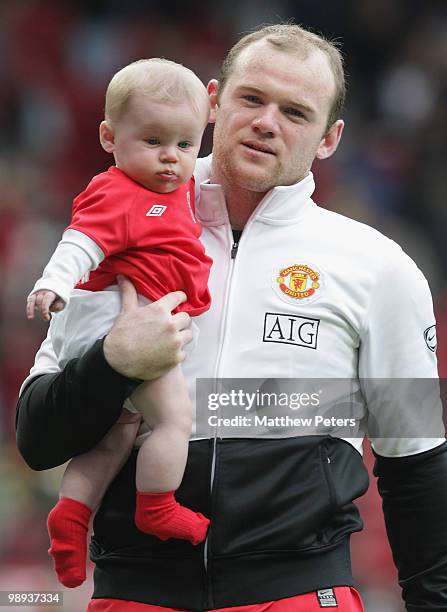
329 143
106 137
213 92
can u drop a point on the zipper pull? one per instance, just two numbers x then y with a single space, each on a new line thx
234 250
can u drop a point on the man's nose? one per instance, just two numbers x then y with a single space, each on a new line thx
168 155
266 121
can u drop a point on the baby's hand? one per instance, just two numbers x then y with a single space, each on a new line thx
44 301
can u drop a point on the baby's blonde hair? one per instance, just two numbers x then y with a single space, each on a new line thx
162 80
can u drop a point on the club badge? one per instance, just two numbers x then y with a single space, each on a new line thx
298 283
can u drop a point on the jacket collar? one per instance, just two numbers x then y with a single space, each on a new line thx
280 206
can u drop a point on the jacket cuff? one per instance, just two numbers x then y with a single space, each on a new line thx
94 374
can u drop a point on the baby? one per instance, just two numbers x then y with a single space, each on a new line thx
136 220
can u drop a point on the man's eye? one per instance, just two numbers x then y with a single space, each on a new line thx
184 144
152 141
253 99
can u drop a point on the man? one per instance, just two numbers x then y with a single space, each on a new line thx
280 506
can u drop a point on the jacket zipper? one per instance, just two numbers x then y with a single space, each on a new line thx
233 252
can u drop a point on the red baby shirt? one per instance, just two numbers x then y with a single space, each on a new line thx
152 238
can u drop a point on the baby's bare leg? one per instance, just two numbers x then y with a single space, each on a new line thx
88 476
83 486
161 460
165 406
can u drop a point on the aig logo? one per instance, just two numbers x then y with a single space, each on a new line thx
291 329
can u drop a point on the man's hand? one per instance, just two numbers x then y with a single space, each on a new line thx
44 301
145 342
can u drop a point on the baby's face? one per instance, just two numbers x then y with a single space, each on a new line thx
156 143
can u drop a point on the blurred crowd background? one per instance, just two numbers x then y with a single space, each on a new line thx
56 58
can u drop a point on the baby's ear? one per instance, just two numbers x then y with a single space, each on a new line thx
106 137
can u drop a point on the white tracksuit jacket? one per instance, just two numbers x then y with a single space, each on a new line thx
311 294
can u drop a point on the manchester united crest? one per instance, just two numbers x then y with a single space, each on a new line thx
298 283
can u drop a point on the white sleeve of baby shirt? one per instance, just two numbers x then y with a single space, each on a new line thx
75 255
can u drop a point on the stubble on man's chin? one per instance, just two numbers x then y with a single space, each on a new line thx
238 177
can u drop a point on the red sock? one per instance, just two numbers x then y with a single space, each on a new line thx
67 526
161 515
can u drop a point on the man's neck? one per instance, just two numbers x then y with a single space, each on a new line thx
240 202
240 206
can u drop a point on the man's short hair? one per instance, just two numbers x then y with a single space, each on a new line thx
160 79
294 38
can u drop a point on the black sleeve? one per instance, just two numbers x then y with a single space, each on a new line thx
65 414
414 494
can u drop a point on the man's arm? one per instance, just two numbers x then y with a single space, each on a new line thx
63 414
414 495
399 376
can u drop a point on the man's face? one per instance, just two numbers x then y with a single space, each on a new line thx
271 118
156 143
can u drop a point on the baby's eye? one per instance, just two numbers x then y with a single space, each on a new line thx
153 141
293 112
184 144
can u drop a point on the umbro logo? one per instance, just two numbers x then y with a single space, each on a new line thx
156 210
